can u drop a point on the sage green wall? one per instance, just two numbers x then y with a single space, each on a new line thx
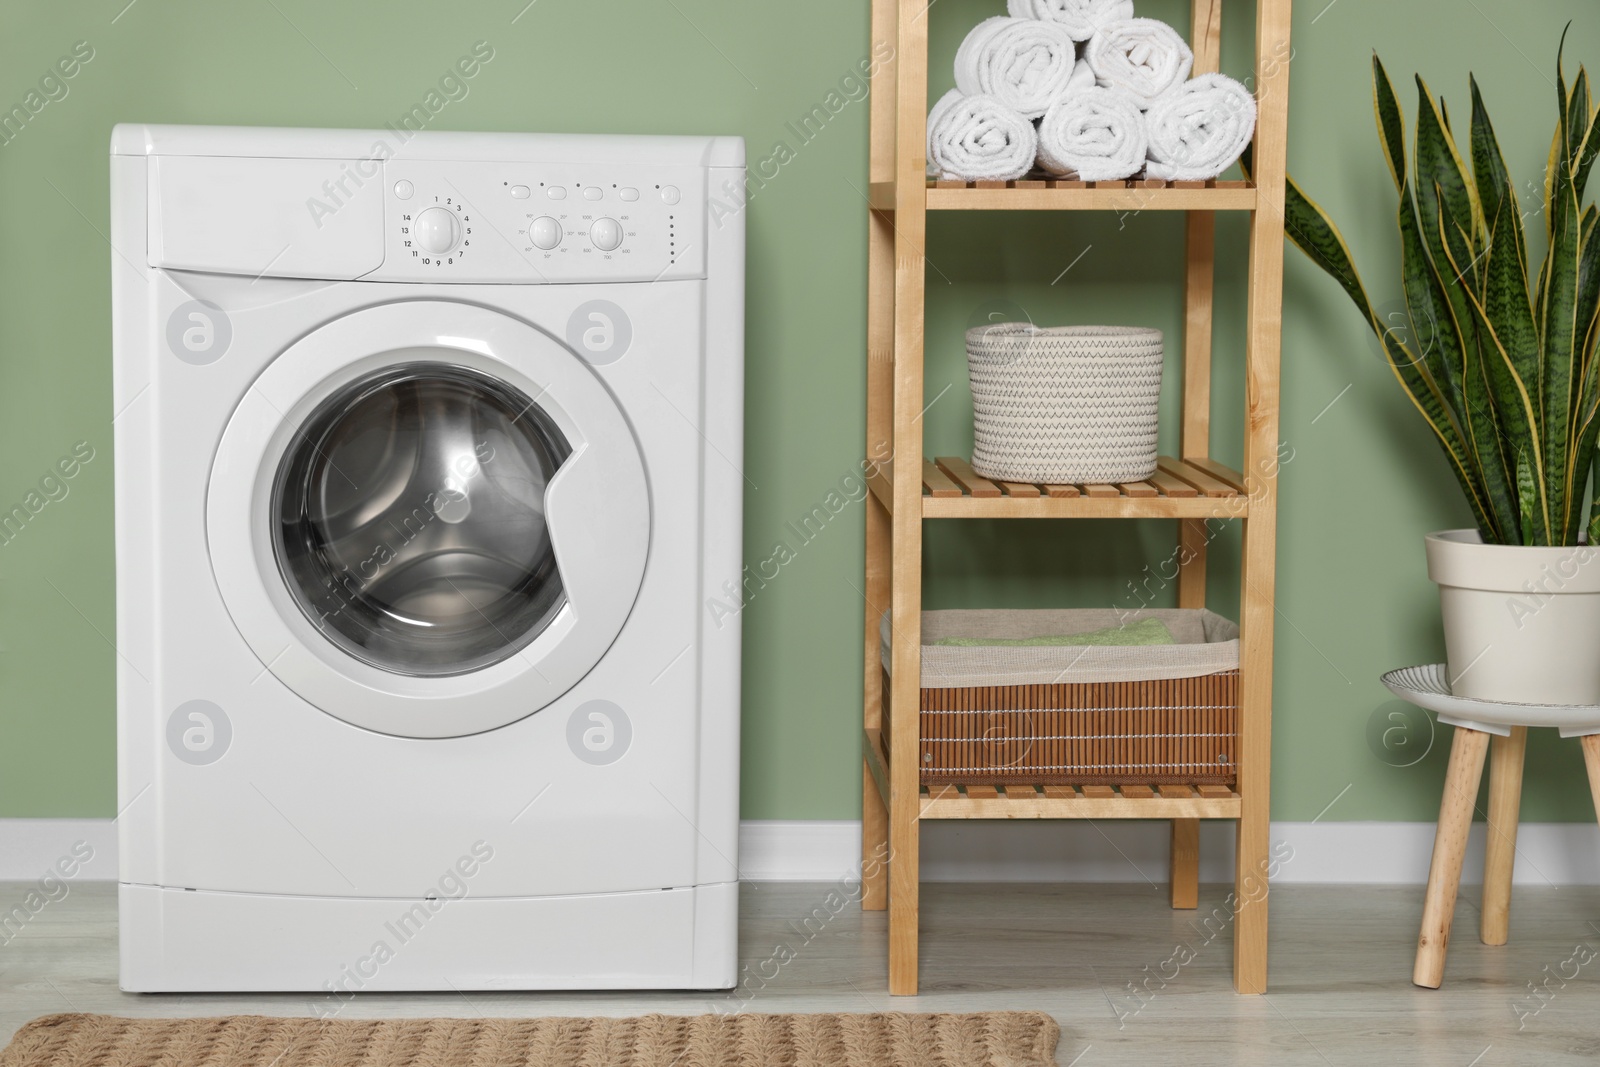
1363 486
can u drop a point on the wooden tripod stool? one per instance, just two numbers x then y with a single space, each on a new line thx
1467 752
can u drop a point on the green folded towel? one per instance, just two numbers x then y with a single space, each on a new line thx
1143 632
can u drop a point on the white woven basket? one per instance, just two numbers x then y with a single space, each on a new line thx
1074 404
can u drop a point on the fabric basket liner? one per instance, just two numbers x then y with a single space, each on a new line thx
1206 643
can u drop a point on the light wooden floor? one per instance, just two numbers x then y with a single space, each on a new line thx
1341 965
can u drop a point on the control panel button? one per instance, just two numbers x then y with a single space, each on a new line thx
630 195
437 230
519 192
593 192
556 192
606 234
546 232
670 194
403 189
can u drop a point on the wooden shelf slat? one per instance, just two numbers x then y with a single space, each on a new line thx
961 472
1063 195
1175 491
1095 802
1219 471
936 482
1081 507
1019 489
1174 488
1198 478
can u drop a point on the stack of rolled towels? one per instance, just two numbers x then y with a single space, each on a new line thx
1082 89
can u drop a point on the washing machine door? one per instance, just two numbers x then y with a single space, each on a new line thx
428 519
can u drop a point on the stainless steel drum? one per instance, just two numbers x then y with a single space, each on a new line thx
410 519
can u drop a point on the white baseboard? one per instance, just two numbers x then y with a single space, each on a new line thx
1349 853
30 847
1327 853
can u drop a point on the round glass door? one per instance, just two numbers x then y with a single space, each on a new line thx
409 519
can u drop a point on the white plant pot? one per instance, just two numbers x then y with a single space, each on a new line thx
1521 625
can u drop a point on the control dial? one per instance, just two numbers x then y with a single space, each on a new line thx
606 234
546 232
437 230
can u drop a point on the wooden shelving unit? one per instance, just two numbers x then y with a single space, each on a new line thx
1192 489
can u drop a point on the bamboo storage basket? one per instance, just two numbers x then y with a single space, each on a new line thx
1078 715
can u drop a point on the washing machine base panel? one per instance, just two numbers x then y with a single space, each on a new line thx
198 941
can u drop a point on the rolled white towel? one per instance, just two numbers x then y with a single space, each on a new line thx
977 138
1097 134
1198 131
1144 56
1080 17
1023 63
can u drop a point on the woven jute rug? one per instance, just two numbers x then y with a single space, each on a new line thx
991 1039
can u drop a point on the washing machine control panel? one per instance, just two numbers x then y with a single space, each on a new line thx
547 222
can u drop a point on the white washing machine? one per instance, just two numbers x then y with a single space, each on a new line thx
428 464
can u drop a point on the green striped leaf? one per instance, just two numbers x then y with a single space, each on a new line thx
1489 171
1594 512
1588 149
1528 495
1560 338
1442 178
1391 121
1574 107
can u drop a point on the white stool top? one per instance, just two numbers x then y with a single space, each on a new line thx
1429 687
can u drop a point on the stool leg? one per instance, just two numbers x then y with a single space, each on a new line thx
1467 752
1591 758
1505 801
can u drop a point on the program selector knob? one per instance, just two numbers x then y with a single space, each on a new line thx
546 232
437 230
606 234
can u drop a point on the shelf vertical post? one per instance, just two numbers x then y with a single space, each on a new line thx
880 447
905 595
1261 458
1199 288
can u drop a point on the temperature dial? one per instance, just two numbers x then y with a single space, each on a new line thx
437 230
606 234
546 232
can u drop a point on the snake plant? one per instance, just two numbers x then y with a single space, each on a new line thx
1500 361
